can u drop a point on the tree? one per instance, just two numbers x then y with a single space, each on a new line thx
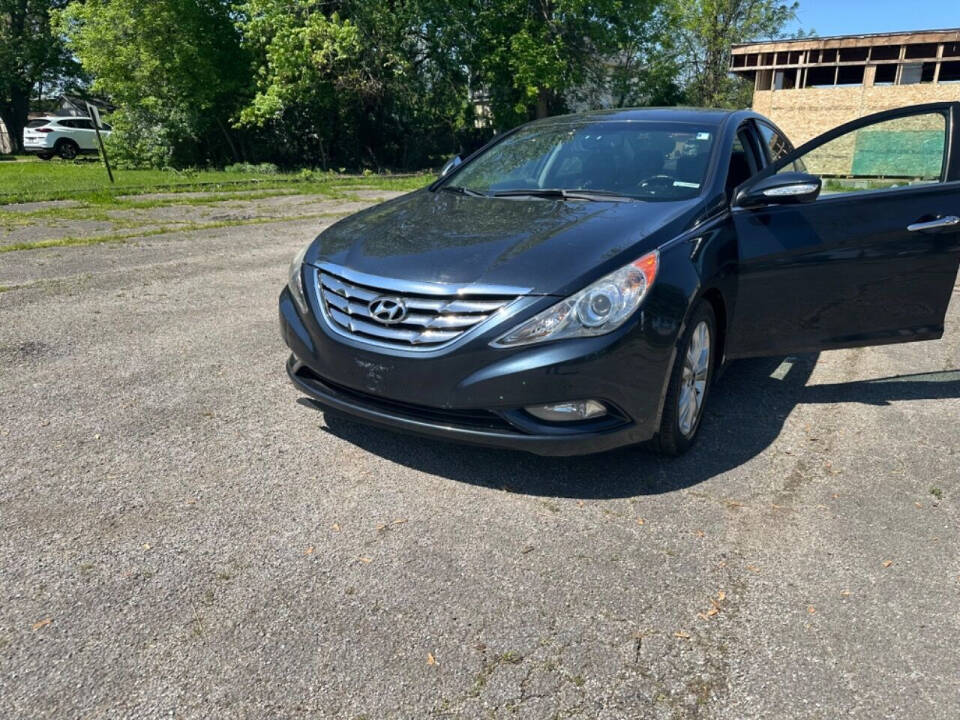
643 71
356 82
30 53
303 58
705 30
530 56
397 83
175 69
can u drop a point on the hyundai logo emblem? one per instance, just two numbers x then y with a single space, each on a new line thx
388 310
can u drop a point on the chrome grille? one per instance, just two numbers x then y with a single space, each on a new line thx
434 315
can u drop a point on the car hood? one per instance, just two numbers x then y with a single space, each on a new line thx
541 245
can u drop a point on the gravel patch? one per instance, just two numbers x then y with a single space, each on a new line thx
183 536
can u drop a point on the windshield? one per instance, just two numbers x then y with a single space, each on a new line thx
644 160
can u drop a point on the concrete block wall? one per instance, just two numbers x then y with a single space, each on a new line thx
807 112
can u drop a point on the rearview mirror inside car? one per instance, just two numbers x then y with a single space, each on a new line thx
783 189
450 165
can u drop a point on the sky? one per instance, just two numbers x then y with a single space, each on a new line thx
855 17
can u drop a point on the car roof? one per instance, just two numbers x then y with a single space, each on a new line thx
58 118
711 116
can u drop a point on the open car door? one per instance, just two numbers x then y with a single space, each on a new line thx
873 259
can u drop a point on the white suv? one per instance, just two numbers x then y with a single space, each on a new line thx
63 136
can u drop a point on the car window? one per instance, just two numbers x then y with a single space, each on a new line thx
902 151
741 169
774 144
647 160
82 124
65 123
37 123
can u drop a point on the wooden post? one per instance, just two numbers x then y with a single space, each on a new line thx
94 115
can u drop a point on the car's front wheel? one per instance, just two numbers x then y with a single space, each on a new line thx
689 382
45 156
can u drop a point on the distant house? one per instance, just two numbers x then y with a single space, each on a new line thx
76 106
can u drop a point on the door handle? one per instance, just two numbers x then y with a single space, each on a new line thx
938 224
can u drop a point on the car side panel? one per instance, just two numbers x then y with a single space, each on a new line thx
64 130
86 137
714 256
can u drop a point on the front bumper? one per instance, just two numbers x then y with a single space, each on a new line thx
475 394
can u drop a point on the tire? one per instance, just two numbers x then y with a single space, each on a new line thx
68 149
45 156
686 395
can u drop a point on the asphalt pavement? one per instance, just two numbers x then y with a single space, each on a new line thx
182 535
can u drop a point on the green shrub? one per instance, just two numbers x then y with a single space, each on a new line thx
136 143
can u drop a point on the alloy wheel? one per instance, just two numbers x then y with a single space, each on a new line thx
693 382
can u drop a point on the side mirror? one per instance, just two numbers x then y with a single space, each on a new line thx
452 163
789 188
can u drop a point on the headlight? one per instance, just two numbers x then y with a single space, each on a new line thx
595 310
295 280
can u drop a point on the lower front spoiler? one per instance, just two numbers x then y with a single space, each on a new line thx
332 398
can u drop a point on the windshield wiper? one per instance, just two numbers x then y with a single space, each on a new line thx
462 190
589 195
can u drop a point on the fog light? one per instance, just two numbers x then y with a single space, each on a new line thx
568 411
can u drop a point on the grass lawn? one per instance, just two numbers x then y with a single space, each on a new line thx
34 180
125 211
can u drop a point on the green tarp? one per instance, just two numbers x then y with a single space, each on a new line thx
912 153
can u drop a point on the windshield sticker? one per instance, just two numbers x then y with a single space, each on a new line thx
680 183
703 136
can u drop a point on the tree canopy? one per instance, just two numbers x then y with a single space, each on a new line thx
705 30
174 68
30 54
368 83
533 56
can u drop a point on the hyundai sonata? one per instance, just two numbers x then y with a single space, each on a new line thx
575 285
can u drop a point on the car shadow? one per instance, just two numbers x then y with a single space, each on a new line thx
745 414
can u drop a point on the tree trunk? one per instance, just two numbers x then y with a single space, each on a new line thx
323 155
15 104
14 112
226 135
543 108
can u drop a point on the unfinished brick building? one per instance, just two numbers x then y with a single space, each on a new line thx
811 85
